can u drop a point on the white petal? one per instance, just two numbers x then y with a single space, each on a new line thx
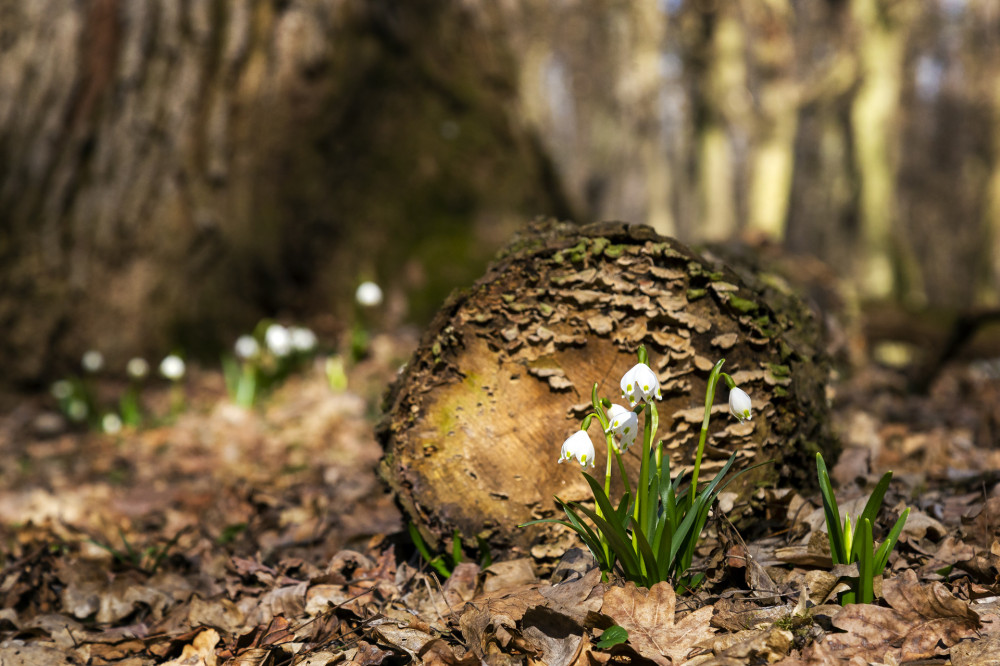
579 446
740 405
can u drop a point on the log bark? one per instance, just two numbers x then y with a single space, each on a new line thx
504 374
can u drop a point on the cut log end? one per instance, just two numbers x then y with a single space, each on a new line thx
504 374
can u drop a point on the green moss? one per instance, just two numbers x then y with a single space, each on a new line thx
545 309
779 370
614 251
695 294
742 304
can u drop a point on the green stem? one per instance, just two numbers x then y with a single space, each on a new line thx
713 379
641 512
602 418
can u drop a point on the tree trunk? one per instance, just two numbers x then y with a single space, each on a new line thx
505 371
170 172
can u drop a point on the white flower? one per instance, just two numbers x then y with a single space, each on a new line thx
278 340
640 385
172 367
246 347
137 368
624 423
92 361
368 294
77 409
578 446
111 423
739 404
303 340
62 389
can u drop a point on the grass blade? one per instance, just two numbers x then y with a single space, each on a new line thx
874 502
832 513
882 556
866 583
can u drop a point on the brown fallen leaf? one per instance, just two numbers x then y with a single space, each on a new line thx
648 616
489 623
200 652
921 617
982 652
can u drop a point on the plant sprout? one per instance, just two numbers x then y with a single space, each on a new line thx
849 545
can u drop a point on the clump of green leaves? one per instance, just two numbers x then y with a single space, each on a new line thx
848 545
651 535
445 563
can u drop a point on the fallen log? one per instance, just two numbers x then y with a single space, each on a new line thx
504 373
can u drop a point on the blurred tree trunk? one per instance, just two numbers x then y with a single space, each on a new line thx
989 292
171 172
720 105
772 153
888 266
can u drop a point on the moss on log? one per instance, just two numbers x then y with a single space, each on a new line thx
504 373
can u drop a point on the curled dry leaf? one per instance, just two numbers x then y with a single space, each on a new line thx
921 617
648 616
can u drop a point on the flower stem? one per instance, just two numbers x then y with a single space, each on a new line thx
713 379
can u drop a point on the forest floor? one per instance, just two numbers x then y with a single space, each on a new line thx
223 535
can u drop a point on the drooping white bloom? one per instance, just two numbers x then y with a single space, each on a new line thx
579 446
111 423
278 340
368 294
303 340
624 423
172 367
640 385
137 368
739 404
92 361
246 347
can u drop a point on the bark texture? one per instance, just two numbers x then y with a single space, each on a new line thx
170 172
504 375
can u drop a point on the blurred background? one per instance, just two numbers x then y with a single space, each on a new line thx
171 172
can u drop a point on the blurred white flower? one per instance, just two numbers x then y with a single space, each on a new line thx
172 367
246 347
368 294
579 446
92 361
739 404
111 423
278 340
62 389
303 340
137 368
77 409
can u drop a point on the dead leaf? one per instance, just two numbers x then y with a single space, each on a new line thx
577 598
982 652
648 616
369 655
508 574
757 646
200 652
921 617
489 624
